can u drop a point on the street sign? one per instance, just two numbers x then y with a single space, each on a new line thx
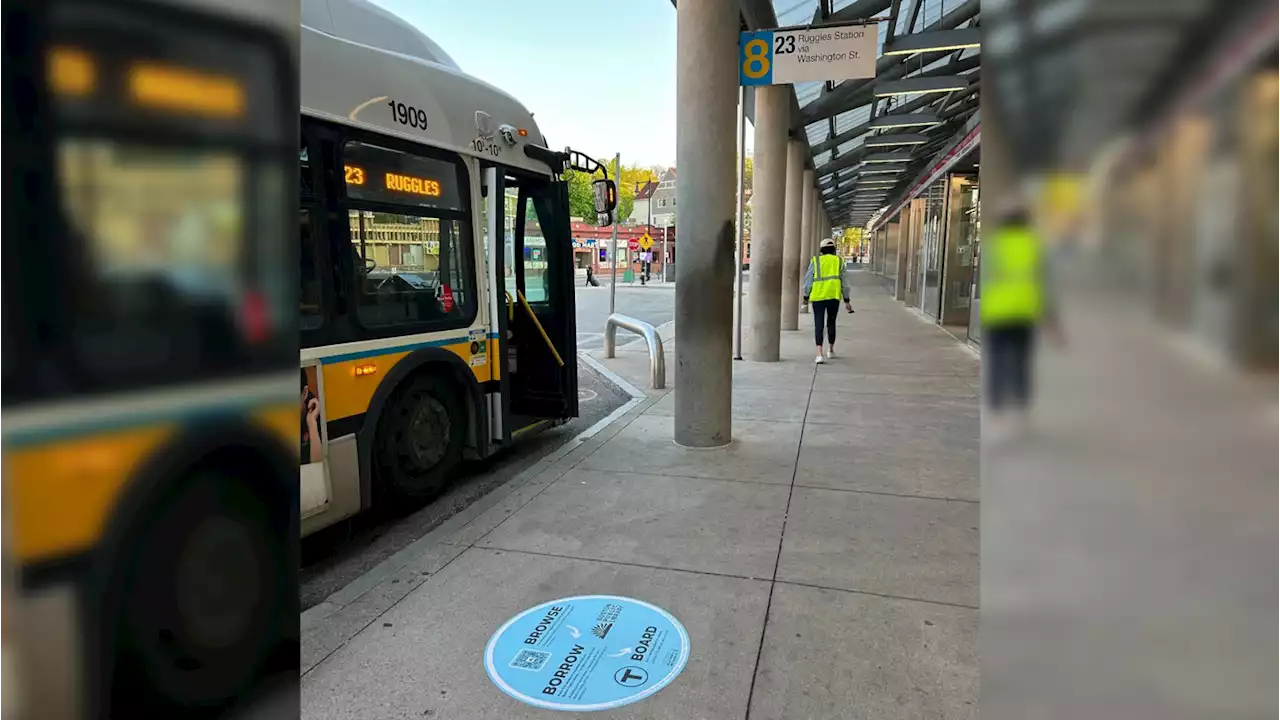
646 242
633 244
780 57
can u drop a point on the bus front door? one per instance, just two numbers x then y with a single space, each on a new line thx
542 353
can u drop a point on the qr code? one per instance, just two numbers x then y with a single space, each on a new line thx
530 660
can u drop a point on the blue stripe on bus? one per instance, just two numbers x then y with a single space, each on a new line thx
377 352
241 407
180 415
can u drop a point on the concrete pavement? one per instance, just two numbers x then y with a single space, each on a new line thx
1129 569
825 564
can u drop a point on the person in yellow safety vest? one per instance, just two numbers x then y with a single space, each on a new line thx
1014 302
825 283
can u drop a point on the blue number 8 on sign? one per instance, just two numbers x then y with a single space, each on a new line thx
755 58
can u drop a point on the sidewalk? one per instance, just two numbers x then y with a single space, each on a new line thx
825 564
1131 532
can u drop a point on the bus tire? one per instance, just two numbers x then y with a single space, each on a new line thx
202 604
419 439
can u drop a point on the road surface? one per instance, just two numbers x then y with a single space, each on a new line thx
654 304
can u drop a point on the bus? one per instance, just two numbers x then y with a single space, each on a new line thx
437 298
150 449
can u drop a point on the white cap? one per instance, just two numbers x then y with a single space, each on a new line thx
827 243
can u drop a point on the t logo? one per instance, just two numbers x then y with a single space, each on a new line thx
631 676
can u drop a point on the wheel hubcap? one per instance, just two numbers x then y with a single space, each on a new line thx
218 588
429 432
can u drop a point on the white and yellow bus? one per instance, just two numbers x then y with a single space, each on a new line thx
437 266
150 449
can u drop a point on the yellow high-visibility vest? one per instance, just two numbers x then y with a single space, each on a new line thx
1010 267
826 281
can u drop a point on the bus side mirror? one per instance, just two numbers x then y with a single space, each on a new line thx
605 194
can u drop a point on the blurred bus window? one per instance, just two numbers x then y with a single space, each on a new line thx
169 266
165 284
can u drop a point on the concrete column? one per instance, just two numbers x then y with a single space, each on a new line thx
817 224
768 205
807 230
706 107
819 221
820 224
819 218
791 235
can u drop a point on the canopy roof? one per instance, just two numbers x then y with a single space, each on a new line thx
841 122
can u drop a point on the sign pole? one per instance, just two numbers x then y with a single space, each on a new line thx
742 168
664 253
613 252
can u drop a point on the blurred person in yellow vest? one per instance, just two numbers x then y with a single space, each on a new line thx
1015 304
825 283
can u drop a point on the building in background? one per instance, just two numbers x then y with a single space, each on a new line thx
592 244
925 243
663 201
640 211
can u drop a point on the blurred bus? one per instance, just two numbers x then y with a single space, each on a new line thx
150 438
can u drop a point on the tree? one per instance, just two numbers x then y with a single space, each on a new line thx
629 180
582 200
748 175
851 241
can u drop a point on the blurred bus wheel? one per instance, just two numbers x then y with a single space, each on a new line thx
201 608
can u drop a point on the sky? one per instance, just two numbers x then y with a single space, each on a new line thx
567 62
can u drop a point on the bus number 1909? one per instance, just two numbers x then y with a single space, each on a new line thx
408 115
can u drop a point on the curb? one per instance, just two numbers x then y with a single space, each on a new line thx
393 564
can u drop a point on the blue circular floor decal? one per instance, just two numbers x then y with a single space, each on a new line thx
591 652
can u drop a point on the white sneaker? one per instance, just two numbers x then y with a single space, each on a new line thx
819 360
831 353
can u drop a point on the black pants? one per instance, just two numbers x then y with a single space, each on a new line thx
828 308
1006 355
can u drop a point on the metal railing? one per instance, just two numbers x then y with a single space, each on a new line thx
657 360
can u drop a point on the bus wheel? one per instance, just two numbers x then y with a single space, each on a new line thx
420 439
202 597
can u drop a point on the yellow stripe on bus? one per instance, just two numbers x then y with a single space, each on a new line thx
61 493
284 421
348 393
